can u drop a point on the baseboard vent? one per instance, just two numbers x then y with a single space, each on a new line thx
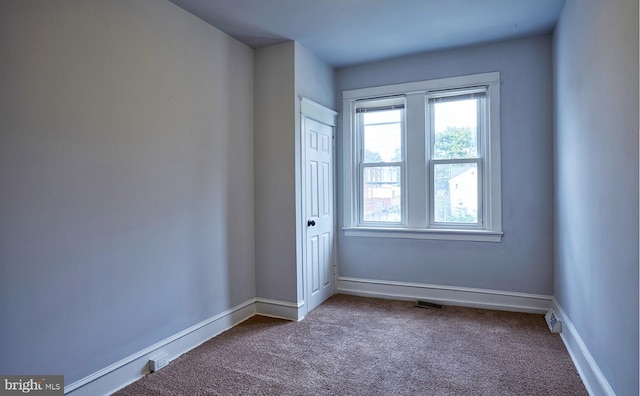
427 304
158 362
555 325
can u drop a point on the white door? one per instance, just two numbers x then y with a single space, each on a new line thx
318 209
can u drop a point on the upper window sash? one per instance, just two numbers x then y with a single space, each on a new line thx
451 96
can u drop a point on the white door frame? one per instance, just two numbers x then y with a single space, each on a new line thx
314 111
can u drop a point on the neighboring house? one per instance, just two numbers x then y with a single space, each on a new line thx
463 195
382 197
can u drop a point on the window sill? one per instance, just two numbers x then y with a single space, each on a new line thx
408 233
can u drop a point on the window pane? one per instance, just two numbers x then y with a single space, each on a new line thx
455 129
382 117
382 136
455 193
382 194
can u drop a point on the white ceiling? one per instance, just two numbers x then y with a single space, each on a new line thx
348 32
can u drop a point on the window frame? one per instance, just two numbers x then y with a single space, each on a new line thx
362 165
418 217
479 159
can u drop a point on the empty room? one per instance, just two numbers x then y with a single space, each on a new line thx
337 197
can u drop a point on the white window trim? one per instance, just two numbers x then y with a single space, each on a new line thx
491 189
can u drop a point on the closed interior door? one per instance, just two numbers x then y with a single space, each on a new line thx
319 225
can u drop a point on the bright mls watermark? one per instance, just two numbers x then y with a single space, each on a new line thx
41 385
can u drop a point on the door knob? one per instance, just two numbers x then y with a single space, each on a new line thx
311 223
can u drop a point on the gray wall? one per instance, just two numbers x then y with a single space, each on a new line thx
274 137
523 261
283 73
126 180
596 140
314 78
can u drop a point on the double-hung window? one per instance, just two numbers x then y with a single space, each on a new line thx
422 160
456 126
380 123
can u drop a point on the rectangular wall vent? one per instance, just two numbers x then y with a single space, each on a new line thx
158 362
427 304
555 325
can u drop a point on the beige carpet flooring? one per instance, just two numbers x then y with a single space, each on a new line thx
363 346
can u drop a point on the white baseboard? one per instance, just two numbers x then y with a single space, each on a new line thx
446 295
134 367
280 309
592 377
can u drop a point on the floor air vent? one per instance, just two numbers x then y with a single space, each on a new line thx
427 304
555 325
